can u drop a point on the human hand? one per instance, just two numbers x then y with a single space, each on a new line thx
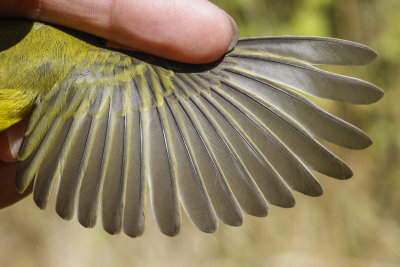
10 141
189 31
194 31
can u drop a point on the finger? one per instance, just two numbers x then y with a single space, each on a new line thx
8 192
5 152
11 140
194 31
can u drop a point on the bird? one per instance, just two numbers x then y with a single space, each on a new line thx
110 128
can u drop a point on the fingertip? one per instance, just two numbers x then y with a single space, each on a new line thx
212 33
10 141
191 32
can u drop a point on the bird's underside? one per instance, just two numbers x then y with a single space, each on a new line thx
216 139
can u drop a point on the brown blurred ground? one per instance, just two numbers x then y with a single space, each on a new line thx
355 222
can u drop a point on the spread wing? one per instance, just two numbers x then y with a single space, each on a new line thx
217 140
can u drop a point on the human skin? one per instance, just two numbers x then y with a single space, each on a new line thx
191 31
8 165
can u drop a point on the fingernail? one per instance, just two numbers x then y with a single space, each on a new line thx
235 31
14 141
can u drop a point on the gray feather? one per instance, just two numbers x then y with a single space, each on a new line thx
72 162
192 192
311 152
225 206
49 169
308 79
272 150
161 179
315 120
314 50
95 160
114 181
134 209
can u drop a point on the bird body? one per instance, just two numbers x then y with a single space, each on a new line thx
220 138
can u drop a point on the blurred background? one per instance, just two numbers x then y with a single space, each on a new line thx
355 223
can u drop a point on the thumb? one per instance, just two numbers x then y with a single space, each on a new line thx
194 31
10 141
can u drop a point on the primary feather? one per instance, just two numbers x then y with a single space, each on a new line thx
217 139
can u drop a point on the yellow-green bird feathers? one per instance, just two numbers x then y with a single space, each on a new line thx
217 139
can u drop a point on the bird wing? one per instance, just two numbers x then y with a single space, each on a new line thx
217 139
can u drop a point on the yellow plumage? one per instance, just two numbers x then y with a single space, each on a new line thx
15 105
